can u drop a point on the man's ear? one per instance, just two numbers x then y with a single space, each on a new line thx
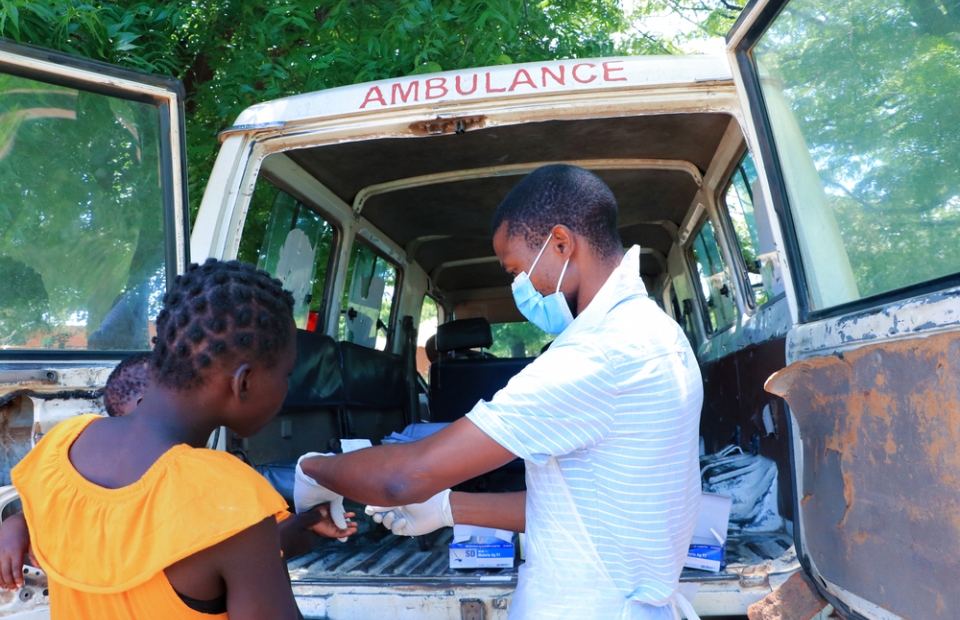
239 384
566 242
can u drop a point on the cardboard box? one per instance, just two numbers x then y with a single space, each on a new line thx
481 547
710 535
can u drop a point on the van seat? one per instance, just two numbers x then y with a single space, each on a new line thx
309 418
458 383
375 391
459 337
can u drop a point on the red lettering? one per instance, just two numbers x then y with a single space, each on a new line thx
432 87
517 81
607 70
493 90
373 94
413 88
471 91
577 78
559 79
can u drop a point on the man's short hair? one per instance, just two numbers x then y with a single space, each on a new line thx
562 194
129 379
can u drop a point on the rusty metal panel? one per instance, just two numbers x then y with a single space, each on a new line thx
880 505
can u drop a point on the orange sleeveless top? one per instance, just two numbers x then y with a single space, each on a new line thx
104 550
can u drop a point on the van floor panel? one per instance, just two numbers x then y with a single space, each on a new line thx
393 558
374 558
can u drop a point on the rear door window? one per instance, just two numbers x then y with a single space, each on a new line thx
862 102
368 299
520 339
426 329
91 195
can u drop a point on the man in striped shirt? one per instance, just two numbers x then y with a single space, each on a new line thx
607 421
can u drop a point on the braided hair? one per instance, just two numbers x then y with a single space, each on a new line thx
129 379
218 312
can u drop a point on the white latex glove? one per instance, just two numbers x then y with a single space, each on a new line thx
307 494
415 519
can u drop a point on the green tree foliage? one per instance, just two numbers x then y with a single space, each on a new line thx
232 54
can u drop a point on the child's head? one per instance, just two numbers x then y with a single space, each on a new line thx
127 384
234 323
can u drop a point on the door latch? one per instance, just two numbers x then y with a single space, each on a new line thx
472 609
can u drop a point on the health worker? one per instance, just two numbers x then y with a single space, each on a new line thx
606 420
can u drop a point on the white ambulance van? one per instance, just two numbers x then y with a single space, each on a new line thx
796 201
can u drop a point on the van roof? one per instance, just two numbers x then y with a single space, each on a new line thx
504 82
426 159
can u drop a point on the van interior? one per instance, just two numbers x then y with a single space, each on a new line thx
685 193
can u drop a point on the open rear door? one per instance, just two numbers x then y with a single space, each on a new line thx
93 225
851 109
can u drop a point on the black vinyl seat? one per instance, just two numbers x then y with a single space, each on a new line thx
309 420
336 390
375 392
459 381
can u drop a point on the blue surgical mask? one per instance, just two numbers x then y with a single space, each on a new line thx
550 313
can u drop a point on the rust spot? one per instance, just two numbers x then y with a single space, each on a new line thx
881 441
849 491
890 446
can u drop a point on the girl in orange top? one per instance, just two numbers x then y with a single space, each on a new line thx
131 517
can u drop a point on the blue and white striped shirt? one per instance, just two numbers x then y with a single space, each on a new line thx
616 398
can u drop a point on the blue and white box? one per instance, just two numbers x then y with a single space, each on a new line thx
710 535
481 547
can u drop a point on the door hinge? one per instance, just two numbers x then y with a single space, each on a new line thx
36 375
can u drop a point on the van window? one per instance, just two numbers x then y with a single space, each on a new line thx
760 261
368 298
862 102
520 339
82 249
721 309
426 329
284 237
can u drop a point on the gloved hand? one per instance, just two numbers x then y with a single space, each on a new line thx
307 494
415 519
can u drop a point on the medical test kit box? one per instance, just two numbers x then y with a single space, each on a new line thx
481 547
710 535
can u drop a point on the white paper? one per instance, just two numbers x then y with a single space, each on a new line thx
351 445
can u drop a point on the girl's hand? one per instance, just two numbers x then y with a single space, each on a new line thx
14 544
326 527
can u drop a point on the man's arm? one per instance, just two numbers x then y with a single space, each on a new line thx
504 511
399 474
